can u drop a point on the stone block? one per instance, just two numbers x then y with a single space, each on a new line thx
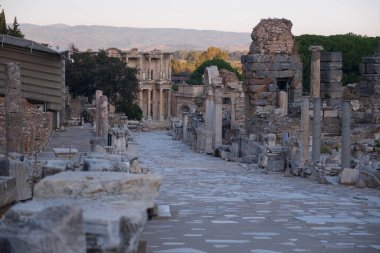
22 172
372 68
102 164
284 73
57 229
52 167
133 149
98 184
336 86
331 56
261 102
331 76
279 58
110 225
258 88
65 153
331 65
350 176
371 60
7 190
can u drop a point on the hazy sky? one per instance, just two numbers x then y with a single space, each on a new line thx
308 16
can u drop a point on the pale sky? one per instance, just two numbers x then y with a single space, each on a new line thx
324 17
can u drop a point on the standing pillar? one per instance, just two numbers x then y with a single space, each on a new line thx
218 120
233 112
149 104
154 107
13 108
315 86
98 94
150 77
103 118
141 69
169 104
161 106
346 135
161 68
141 101
304 131
185 119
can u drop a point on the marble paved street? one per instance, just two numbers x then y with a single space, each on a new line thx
219 206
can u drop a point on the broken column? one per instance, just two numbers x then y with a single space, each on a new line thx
98 94
346 135
315 86
103 118
218 122
304 131
13 108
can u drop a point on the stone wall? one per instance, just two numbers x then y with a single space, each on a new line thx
272 36
331 93
261 74
37 127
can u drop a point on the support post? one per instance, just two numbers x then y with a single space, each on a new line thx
149 104
13 108
103 118
304 131
161 105
346 135
315 85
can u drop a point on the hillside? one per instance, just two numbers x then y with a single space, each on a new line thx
102 37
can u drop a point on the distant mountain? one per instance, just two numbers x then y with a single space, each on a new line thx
166 39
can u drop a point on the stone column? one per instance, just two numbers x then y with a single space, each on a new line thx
315 77
150 77
169 104
13 108
141 69
283 102
218 120
185 119
233 112
161 106
98 94
141 101
149 104
315 80
103 117
154 108
346 135
161 68
304 131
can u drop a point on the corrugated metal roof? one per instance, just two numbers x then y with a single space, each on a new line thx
28 44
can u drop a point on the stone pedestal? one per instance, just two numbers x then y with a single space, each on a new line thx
7 190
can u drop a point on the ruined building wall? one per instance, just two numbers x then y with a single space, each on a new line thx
270 68
37 127
365 100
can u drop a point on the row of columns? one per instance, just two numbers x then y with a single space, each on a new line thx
316 127
164 69
151 103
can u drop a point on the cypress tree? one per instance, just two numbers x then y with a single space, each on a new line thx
3 23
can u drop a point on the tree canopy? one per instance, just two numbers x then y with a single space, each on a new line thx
196 76
352 46
91 71
12 31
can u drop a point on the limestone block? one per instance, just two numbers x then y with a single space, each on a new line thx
330 76
270 140
281 58
331 56
350 176
65 153
98 184
57 229
371 60
372 68
133 149
7 190
52 167
332 86
22 171
258 88
102 164
110 225
331 65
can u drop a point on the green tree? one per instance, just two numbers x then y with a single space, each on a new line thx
3 23
352 46
91 71
196 76
15 30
